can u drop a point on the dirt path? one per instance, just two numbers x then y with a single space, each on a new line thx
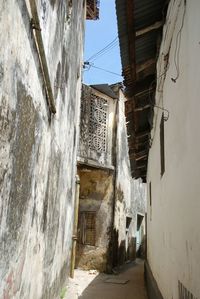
128 284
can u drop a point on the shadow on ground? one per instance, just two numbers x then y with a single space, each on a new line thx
134 288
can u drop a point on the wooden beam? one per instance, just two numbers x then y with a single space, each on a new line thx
131 37
154 26
142 134
142 108
140 167
136 145
139 87
144 65
141 157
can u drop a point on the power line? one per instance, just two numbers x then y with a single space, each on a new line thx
107 71
103 50
106 51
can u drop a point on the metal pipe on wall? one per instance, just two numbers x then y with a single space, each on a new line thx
35 23
75 226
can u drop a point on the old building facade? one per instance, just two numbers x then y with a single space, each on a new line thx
108 195
40 85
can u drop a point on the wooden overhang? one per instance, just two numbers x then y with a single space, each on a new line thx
92 9
140 25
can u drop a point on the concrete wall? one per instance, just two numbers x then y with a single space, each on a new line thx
38 152
173 218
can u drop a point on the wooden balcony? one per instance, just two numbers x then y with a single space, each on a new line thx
92 9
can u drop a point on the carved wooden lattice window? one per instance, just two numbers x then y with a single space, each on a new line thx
88 228
98 124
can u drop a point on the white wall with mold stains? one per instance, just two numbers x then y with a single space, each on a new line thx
38 152
130 194
173 217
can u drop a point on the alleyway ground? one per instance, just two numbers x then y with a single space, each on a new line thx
94 286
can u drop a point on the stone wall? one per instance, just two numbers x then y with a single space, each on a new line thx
96 195
38 150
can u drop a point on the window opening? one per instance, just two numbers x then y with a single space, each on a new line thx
162 146
88 228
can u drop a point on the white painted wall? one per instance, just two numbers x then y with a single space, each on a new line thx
173 228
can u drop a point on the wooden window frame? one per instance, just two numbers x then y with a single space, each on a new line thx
88 230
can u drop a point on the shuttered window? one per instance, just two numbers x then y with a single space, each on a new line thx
88 228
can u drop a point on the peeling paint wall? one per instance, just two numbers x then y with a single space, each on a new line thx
173 215
38 151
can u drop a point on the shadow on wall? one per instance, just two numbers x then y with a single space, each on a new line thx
121 254
141 252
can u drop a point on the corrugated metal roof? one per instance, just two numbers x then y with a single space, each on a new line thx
105 89
147 12
139 43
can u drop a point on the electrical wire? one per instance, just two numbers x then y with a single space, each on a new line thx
105 52
107 71
178 45
103 49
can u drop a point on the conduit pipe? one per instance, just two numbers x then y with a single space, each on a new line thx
75 226
35 24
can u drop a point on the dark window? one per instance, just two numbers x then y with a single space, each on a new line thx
88 228
162 146
128 222
150 198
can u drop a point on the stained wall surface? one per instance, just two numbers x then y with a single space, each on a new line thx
96 196
130 195
173 215
38 150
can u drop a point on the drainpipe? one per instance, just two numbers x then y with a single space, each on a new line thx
35 24
75 226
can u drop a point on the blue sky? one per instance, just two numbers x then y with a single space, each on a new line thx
98 35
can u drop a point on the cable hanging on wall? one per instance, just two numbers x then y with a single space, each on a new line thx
177 47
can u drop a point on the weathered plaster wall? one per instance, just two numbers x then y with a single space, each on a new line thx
96 195
173 218
38 152
130 194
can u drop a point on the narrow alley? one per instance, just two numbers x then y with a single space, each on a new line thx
128 283
99 149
